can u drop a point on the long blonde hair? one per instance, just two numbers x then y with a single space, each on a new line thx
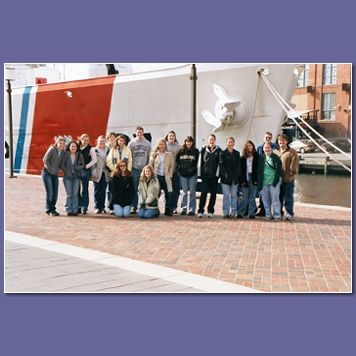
143 177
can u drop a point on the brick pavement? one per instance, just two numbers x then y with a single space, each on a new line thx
310 254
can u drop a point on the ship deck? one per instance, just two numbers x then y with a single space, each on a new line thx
310 254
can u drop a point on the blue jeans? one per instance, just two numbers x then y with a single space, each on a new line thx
286 196
189 184
229 199
147 213
176 190
100 193
135 173
122 211
51 185
248 200
72 187
84 191
167 194
270 197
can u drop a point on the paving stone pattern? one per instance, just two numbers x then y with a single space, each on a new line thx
310 254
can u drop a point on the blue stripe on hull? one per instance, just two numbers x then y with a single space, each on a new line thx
22 129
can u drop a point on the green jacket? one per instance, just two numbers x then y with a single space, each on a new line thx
277 167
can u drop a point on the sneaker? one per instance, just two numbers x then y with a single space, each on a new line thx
191 213
85 211
168 213
210 215
112 212
288 216
54 213
133 210
175 211
48 213
239 216
97 211
227 216
79 211
69 214
233 216
200 215
183 212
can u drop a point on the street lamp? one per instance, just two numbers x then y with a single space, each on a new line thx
10 77
194 78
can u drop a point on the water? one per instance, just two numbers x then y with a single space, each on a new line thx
323 190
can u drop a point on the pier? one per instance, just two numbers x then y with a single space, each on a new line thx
320 162
311 254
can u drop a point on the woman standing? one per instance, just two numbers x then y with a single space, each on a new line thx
248 180
209 173
72 164
187 168
149 190
162 163
269 182
51 161
90 159
119 152
229 171
173 146
122 190
100 175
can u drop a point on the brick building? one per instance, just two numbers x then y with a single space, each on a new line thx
325 89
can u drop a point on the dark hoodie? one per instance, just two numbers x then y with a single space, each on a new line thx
187 162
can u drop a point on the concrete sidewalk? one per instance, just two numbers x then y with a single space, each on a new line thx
33 265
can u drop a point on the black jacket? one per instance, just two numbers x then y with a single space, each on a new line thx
187 162
277 167
72 170
209 162
230 167
122 190
243 179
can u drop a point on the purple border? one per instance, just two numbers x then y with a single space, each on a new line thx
170 324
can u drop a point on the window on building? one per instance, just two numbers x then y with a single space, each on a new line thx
328 106
329 73
304 77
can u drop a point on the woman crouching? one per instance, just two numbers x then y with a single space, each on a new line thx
72 165
122 190
148 190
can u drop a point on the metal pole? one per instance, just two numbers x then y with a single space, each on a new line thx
10 130
193 78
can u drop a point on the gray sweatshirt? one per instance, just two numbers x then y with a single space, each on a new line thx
140 153
52 160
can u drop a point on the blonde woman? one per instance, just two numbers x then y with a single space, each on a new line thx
101 176
163 165
148 189
119 152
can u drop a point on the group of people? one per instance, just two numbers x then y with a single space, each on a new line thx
129 178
